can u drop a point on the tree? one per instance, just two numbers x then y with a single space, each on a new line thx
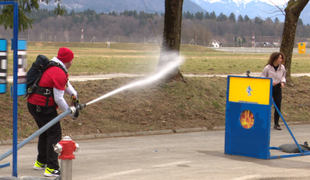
199 16
207 15
172 36
258 20
244 40
292 13
246 18
276 20
212 15
222 17
240 18
232 17
72 13
24 6
188 15
300 22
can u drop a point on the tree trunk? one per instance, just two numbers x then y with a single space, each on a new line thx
172 37
292 12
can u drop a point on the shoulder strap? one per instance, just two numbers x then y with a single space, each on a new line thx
53 63
45 91
50 64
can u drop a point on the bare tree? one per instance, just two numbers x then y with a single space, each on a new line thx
172 36
292 12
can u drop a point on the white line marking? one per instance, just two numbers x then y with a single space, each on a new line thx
117 174
247 177
171 164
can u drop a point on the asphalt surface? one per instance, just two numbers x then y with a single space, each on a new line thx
181 156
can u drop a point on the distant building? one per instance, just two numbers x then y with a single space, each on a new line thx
216 43
264 44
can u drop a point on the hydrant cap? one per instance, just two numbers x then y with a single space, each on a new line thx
67 138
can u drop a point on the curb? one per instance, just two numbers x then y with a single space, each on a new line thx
124 134
139 133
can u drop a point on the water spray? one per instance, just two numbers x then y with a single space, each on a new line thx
174 60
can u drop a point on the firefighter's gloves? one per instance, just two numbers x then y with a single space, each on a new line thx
74 112
76 106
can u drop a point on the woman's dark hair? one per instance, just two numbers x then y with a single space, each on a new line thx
274 56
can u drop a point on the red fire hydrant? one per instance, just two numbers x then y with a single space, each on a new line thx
66 147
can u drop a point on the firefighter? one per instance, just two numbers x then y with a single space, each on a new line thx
43 105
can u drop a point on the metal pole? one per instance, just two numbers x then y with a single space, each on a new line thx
66 169
289 130
15 100
38 133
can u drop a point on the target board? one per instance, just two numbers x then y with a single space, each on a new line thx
248 116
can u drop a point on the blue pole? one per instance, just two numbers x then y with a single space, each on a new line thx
301 151
289 155
7 2
37 133
15 100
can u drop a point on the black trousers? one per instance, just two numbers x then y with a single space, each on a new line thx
277 98
50 137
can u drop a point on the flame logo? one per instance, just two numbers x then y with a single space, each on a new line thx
247 119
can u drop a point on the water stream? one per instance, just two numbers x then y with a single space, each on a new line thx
174 60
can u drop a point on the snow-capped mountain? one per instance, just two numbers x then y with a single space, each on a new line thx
252 8
121 5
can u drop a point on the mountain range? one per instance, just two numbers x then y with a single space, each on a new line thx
251 8
106 6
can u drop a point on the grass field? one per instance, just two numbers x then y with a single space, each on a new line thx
96 58
198 103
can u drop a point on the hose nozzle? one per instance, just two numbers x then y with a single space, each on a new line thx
81 106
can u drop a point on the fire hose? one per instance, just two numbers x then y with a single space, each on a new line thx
44 128
37 133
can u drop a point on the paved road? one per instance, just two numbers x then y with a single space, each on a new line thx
178 156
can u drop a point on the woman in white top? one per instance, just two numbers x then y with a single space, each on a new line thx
276 71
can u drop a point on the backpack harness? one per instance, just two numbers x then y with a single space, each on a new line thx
43 91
